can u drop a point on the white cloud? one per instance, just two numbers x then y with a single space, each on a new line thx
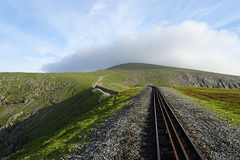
190 44
58 29
79 24
96 7
54 29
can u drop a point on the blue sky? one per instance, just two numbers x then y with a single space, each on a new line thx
52 35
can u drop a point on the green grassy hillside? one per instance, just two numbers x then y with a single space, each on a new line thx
57 143
37 105
29 92
44 115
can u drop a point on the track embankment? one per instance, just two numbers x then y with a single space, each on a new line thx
121 136
215 138
129 133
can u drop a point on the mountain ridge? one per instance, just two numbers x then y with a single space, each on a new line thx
172 76
144 66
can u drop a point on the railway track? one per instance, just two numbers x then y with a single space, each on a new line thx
172 142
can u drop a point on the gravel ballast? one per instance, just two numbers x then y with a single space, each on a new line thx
215 138
121 137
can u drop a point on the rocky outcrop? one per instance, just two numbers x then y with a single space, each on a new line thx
209 80
202 79
170 76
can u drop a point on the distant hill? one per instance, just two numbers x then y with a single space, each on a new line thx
138 66
142 74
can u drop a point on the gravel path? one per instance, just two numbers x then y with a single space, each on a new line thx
121 137
215 138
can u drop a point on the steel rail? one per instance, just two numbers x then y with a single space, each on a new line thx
176 142
169 134
199 156
156 126
174 134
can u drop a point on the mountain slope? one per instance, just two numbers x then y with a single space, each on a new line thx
39 113
142 74
37 105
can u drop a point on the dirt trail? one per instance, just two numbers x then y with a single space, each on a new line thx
100 78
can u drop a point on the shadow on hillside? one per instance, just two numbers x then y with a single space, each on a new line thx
45 122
